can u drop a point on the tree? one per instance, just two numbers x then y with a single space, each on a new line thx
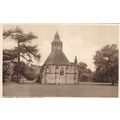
24 49
9 57
106 62
84 74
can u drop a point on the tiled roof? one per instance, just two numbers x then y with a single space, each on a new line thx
56 58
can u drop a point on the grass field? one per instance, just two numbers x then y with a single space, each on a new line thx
81 90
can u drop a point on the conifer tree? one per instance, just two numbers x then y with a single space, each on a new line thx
23 49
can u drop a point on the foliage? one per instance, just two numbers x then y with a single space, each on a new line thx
29 72
106 62
24 50
20 67
9 55
84 74
9 58
32 73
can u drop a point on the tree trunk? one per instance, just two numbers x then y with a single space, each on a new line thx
18 73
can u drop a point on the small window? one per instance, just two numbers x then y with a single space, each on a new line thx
56 67
62 71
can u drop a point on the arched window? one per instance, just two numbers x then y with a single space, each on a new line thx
56 67
62 71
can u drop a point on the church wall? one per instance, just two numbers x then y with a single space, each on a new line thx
70 78
71 75
53 75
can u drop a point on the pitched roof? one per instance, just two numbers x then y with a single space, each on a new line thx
56 58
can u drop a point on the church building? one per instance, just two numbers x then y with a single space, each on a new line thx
57 69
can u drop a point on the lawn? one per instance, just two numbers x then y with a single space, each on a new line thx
81 90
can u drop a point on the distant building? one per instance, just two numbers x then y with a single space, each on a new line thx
57 69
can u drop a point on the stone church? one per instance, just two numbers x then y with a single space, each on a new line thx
57 69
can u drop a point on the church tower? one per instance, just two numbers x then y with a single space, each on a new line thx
57 43
57 56
57 68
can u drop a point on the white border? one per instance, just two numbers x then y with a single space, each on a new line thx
62 11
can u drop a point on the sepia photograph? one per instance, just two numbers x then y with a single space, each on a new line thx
60 60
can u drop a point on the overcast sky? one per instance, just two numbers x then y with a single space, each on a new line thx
78 40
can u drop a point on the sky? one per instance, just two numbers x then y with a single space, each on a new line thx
81 40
